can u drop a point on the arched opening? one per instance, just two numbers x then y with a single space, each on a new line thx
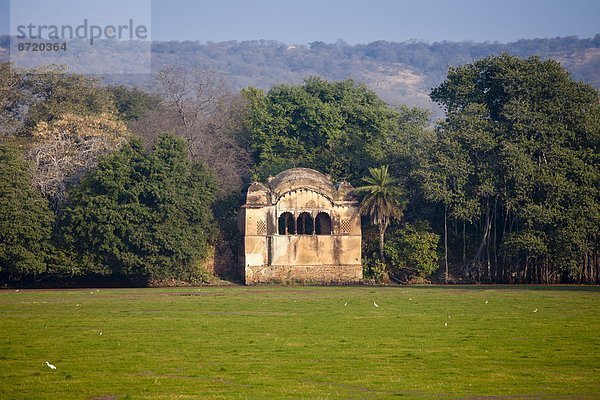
286 224
305 224
323 224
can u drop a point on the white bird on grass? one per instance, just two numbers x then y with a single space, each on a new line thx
486 302
50 365
375 304
445 323
345 304
535 310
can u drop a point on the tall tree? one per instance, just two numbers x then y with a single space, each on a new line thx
68 146
445 176
64 120
382 201
340 128
529 135
25 218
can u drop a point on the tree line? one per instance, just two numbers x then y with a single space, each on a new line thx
115 181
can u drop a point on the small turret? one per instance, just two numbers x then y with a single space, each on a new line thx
258 194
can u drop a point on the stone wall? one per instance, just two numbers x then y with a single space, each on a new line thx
304 274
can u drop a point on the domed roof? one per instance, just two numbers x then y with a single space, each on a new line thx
299 177
302 178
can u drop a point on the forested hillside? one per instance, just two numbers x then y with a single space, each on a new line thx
398 72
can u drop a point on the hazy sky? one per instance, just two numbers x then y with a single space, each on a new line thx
355 21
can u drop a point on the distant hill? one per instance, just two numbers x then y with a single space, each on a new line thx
399 72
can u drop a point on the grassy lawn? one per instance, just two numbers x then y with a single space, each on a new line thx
301 342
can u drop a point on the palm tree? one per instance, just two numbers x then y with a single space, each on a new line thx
382 201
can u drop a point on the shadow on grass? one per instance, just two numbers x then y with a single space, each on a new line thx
573 288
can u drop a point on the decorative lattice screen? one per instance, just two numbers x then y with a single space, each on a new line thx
261 227
345 225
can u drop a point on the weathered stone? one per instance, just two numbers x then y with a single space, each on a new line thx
301 228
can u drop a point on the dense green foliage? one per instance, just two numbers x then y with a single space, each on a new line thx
143 215
53 93
131 102
138 215
301 343
25 218
412 252
31 97
339 128
516 166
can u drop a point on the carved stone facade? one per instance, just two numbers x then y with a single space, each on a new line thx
301 228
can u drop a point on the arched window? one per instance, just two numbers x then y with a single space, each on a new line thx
323 224
286 224
305 224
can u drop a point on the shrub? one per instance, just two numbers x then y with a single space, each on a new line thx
411 251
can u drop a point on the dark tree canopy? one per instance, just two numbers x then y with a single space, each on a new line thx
53 93
25 218
518 153
131 102
143 215
336 127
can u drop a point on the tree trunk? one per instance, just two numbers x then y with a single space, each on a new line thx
486 231
382 228
446 242
464 244
495 240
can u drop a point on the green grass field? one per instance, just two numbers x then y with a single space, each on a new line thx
301 342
